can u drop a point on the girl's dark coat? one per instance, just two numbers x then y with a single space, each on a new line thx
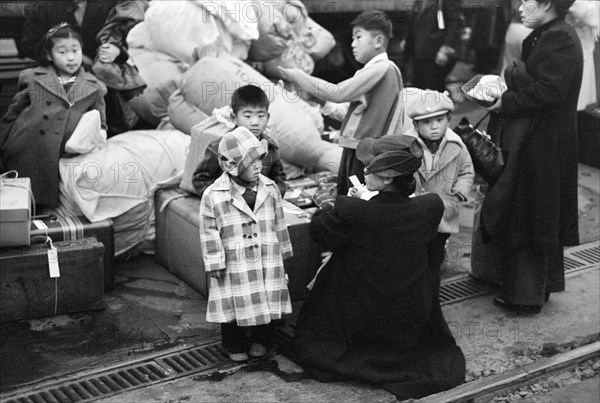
38 123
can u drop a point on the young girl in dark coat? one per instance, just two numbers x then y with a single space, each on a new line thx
44 113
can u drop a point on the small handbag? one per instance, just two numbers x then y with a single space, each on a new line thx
486 155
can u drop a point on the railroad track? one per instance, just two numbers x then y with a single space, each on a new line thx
502 384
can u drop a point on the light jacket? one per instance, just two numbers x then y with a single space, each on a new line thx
449 173
250 246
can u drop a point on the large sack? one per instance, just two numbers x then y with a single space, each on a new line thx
204 133
315 39
293 56
275 33
183 115
184 28
209 84
162 73
108 182
312 37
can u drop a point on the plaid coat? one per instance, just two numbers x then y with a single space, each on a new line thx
251 246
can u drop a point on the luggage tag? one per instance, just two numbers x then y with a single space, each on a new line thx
53 260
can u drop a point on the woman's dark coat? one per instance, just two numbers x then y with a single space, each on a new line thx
374 314
542 210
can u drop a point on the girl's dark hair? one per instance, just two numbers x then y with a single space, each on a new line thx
404 184
60 31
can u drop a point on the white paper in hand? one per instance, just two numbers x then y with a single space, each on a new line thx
365 193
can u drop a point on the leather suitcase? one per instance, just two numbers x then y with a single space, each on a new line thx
27 291
60 228
178 243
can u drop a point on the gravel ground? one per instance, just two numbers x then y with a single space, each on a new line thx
584 370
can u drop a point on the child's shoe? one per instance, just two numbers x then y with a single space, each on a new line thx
257 350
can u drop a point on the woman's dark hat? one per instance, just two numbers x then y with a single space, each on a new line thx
390 156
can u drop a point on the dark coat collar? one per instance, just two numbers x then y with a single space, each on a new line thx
46 76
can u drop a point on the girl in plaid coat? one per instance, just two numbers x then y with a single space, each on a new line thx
244 240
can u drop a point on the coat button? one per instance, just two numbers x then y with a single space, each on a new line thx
255 246
250 247
231 201
45 117
42 131
244 224
255 234
48 103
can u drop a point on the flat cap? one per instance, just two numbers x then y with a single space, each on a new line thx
431 103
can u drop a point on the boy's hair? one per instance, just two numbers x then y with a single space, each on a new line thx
374 20
60 31
249 95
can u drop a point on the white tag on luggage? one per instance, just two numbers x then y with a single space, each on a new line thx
53 262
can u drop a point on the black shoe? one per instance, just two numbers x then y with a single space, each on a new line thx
516 308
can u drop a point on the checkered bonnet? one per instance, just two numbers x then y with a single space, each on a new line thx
238 149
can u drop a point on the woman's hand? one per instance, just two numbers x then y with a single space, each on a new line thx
218 274
108 52
497 107
355 192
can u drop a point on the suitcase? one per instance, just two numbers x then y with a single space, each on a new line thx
27 291
178 243
69 228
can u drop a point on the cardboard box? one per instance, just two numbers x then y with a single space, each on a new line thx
178 242
15 211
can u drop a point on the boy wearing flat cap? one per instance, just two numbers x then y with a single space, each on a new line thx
446 168
244 240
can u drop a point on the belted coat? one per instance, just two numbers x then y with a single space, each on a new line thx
250 245
40 120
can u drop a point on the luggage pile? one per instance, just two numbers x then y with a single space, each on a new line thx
193 54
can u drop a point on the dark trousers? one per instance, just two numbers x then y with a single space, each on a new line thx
428 75
235 340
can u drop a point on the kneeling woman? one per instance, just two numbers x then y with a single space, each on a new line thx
373 314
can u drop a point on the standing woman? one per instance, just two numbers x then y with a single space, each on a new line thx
532 208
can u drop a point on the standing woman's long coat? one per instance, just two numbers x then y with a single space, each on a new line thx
533 205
